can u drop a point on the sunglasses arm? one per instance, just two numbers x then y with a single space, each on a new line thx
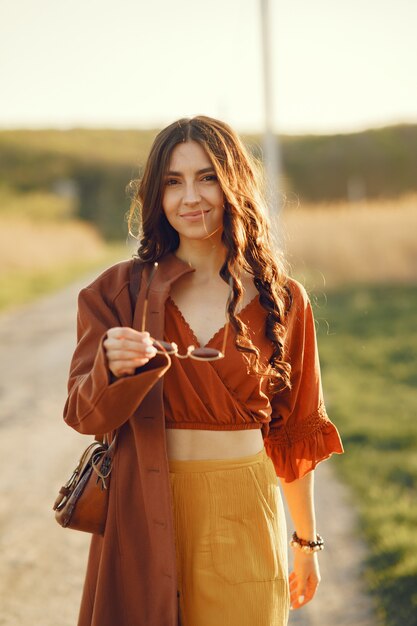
145 310
145 304
226 330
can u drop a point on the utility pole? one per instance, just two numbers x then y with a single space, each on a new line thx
271 153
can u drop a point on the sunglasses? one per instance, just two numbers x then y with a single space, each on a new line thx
171 348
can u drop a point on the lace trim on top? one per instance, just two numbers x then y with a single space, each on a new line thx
290 434
218 332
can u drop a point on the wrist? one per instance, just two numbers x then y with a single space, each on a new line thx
308 546
306 535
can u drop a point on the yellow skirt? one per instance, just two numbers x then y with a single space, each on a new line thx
231 542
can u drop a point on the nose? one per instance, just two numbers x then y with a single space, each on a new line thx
191 195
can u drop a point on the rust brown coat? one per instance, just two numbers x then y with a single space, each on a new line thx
131 575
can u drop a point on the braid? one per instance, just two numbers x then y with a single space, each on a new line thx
274 297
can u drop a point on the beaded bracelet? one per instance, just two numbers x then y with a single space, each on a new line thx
307 546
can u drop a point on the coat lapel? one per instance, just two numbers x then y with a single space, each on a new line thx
170 268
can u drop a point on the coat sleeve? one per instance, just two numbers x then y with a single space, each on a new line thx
96 403
300 433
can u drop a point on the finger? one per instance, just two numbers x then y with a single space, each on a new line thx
311 589
128 372
126 343
297 602
122 371
130 355
293 592
119 367
308 596
297 592
301 595
126 332
294 598
293 588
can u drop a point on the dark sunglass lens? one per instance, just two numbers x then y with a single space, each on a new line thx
205 353
164 346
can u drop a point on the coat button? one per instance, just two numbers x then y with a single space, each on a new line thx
159 523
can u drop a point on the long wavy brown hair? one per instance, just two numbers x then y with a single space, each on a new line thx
246 229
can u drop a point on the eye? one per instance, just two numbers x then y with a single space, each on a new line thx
171 181
210 177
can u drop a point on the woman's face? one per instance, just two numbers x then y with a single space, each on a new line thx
192 199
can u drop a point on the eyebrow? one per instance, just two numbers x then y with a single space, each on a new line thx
205 170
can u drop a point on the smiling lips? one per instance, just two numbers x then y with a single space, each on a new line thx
194 216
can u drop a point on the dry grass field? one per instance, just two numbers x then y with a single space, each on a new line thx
37 256
29 244
366 242
326 245
39 233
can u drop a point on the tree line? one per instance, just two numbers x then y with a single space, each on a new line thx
95 166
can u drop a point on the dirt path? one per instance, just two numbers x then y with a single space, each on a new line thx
42 565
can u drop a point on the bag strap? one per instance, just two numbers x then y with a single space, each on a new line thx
135 280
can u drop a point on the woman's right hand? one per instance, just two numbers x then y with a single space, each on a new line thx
126 349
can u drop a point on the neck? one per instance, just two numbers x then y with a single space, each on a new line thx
206 256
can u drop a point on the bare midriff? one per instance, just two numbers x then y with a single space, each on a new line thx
184 444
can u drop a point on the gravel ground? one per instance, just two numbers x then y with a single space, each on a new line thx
42 565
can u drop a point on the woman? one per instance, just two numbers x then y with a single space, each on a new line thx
213 383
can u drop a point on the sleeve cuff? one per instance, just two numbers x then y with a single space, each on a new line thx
295 452
101 403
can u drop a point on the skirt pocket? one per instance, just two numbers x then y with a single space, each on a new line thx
261 494
246 526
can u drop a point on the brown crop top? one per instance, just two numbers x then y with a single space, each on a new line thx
222 395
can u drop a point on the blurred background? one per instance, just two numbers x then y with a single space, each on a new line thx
327 92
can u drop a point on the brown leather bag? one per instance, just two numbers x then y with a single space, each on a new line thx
82 502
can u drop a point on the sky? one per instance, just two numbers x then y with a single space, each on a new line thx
337 66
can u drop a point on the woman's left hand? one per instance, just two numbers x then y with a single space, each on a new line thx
304 579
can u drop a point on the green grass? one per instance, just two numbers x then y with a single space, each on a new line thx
21 286
368 348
